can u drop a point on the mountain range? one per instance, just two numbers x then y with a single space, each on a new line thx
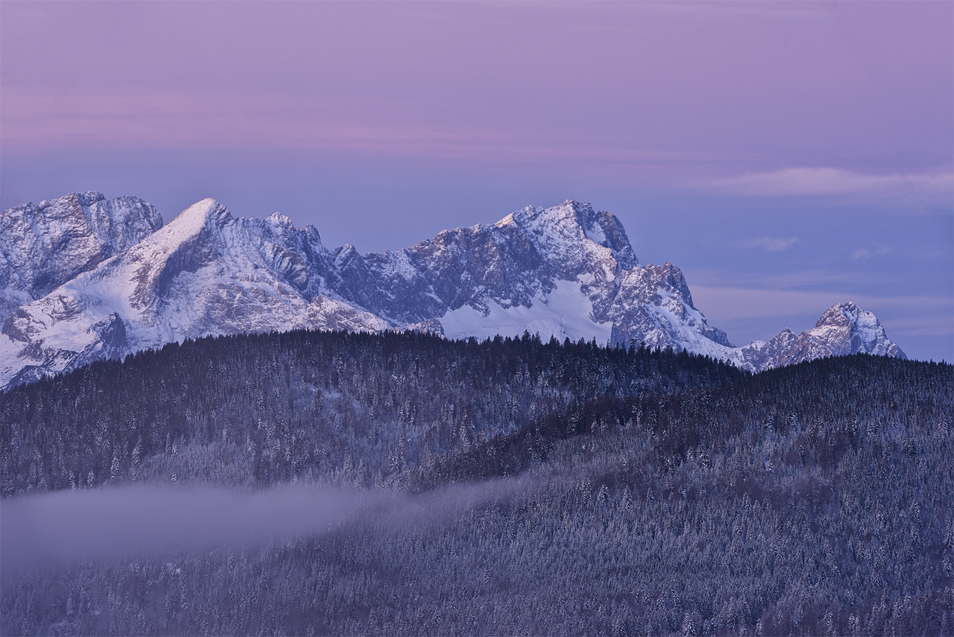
83 278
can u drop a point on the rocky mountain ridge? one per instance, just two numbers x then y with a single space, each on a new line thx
42 246
566 271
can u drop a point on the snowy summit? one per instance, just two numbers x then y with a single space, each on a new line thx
126 283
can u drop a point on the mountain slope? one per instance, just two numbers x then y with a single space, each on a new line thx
620 492
42 246
564 272
203 273
843 329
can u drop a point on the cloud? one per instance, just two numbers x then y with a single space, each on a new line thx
865 253
835 181
128 118
771 244
777 10
127 521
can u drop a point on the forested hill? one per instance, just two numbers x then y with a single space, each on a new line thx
348 407
624 491
821 409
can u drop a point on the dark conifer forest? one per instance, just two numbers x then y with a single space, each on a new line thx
512 487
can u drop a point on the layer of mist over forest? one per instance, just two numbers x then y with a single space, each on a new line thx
90 524
330 483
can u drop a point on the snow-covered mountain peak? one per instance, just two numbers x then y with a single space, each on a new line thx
45 245
180 236
843 329
571 225
279 220
844 314
566 271
80 217
858 328
190 221
345 255
506 221
280 228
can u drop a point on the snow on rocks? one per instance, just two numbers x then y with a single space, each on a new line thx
566 271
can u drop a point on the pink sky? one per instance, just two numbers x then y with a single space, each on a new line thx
741 125
746 83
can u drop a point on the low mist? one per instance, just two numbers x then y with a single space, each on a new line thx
120 522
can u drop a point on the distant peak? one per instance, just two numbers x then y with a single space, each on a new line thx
576 205
345 255
570 205
279 218
207 213
578 212
87 198
201 207
863 329
573 220
574 211
84 199
202 212
279 222
842 314
506 221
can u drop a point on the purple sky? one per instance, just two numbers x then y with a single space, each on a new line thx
785 156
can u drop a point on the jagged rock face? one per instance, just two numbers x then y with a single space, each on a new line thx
509 264
566 272
42 246
204 273
843 329
654 307
847 329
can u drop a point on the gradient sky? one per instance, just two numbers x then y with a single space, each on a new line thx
786 156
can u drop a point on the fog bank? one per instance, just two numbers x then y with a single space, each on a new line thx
123 521
119 522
